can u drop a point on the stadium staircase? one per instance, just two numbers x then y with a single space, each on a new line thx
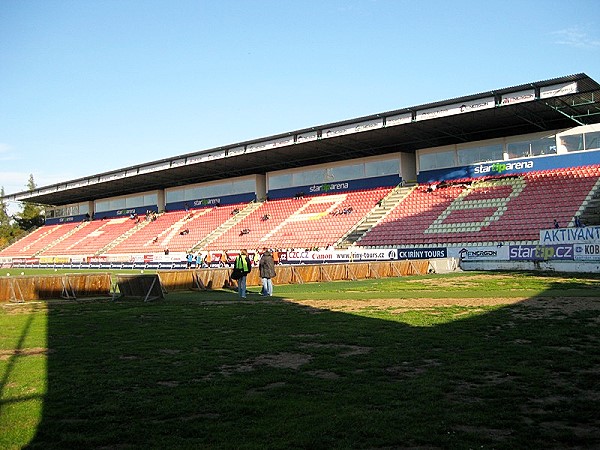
590 211
226 226
140 225
376 215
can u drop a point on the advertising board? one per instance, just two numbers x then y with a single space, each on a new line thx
541 252
477 253
582 235
587 252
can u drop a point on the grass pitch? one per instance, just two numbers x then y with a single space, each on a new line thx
455 361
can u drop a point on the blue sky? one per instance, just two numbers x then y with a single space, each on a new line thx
90 86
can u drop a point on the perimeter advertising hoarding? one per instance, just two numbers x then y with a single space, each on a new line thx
583 235
422 253
336 256
587 252
477 253
562 252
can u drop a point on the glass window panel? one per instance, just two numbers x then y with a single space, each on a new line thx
309 177
150 200
571 143
439 160
480 154
518 149
134 202
175 196
117 203
544 146
350 172
280 181
103 205
592 140
381 168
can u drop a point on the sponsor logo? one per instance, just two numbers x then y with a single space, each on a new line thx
517 99
587 251
207 202
503 167
540 252
469 254
326 187
422 253
124 212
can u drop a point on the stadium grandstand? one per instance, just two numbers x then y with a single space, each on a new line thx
497 175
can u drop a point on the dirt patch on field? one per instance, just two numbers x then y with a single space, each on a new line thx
564 305
7 354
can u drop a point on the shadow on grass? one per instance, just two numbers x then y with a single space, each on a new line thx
204 370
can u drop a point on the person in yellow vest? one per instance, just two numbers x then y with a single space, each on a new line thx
242 266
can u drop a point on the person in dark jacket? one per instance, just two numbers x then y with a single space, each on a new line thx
266 267
243 264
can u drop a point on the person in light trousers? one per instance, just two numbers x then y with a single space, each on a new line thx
266 266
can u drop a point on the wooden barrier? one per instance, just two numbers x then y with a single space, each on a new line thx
147 286
45 287
174 280
41 287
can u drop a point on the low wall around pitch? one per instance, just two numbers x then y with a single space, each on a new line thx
45 287
533 266
174 280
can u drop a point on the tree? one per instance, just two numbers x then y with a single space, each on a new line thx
32 214
8 230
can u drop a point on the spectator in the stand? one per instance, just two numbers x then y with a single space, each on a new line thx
184 232
243 263
244 231
155 240
578 222
265 217
234 211
166 251
266 267
556 224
